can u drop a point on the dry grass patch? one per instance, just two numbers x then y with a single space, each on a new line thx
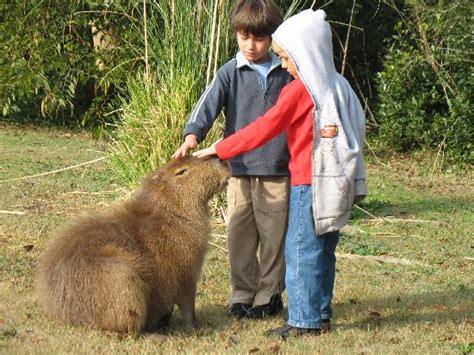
380 307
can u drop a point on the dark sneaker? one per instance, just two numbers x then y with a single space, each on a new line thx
326 326
266 310
288 330
239 310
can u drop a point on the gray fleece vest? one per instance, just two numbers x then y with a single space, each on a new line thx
338 119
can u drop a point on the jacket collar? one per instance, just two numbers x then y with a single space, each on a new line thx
242 61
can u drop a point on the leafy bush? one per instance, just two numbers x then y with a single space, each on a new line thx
425 88
63 63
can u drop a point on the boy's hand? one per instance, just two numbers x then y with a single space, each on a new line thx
190 142
205 152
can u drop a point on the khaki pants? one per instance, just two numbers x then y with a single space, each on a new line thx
258 209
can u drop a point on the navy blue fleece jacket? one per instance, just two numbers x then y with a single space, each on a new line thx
238 91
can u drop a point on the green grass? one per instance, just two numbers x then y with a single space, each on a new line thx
380 307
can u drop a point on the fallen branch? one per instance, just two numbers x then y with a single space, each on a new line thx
218 247
54 171
400 220
18 213
380 258
221 236
391 219
108 192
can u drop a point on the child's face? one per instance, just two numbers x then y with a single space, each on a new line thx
255 49
286 62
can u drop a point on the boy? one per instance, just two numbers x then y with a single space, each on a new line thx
257 194
325 125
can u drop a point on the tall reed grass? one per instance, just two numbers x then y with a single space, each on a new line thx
187 41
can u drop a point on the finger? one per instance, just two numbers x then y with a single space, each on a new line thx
178 154
199 154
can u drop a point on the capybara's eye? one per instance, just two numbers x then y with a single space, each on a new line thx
180 171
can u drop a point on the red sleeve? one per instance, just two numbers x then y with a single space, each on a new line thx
287 109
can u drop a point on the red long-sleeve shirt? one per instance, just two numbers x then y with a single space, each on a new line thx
291 113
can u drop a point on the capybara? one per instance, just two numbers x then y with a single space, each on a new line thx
123 270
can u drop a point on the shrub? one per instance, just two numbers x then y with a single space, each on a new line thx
426 86
62 64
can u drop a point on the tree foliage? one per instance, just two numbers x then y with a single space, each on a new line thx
62 61
425 88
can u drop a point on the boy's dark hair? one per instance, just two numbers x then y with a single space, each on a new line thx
258 17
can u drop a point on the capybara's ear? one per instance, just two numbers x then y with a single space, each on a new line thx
156 176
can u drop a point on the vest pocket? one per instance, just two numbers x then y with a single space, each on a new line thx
333 195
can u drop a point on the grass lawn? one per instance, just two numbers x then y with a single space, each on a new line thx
404 280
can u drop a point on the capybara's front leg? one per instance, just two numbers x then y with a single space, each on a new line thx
186 303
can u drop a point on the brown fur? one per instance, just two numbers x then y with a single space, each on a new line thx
124 269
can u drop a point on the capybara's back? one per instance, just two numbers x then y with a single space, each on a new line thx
122 270
89 275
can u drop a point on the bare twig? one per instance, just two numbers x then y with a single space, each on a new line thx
145 35
109 192
18 213
219 236
392 220
380 258
224 216
54 171
400 220
211 46
218 247
346 46
366 212
440 151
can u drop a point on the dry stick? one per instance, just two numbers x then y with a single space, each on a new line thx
54 171
218 247
380 258
145 34
346 46
219 25
367 212
107 192
211 47
403 220
220 236
393 220
440 149
18 213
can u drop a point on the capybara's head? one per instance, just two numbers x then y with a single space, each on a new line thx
188 181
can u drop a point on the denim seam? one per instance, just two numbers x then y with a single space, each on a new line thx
300 202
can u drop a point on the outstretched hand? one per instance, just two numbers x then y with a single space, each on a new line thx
190 142
205 152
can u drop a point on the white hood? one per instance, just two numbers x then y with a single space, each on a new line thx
307 38
338 172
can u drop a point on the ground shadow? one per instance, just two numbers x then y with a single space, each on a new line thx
407 309
382 208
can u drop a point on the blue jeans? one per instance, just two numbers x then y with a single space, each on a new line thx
310 264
